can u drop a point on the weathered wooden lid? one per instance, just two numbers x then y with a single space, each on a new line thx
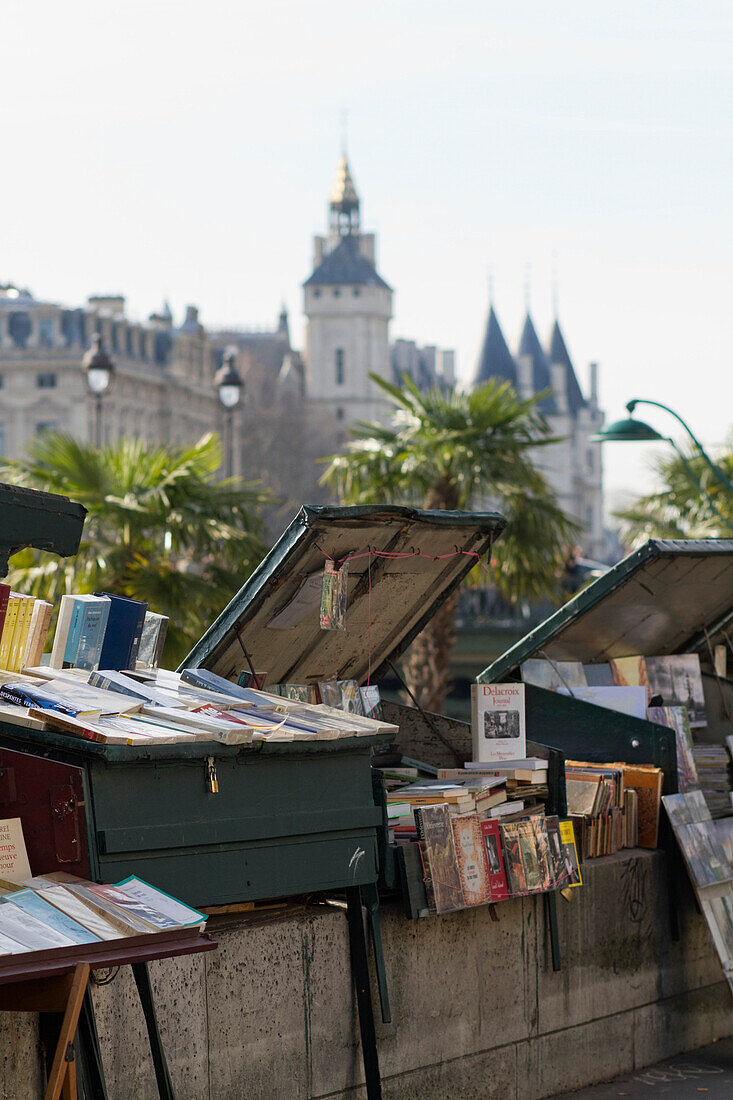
274 618
664 598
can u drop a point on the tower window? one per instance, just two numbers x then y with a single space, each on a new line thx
356 292
336 292
316 293
46 381
339 366
339 414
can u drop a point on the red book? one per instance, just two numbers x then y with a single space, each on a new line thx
4 597
491 838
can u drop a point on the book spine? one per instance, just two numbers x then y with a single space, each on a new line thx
427 880
62 632
4 597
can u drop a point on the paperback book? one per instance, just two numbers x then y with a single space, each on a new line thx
498 722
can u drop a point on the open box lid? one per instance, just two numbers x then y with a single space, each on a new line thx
669 596
46 521
273 621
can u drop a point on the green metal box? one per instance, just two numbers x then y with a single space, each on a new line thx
670 596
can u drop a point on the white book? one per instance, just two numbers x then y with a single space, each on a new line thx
62 632
498 722
183 915
9 946
28 930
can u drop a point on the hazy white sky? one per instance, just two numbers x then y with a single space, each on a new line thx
185 151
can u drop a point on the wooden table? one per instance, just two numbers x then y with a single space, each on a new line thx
57 981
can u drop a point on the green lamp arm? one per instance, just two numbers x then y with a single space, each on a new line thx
703 453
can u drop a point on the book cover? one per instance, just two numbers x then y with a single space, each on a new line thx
95 614
542 848
516 882
440 857
72 638
498 722
581 794
80 911
20 635
37 606
678 680
625 700
676 718
4 597
14 866
30 931
470 858
152 639
530 856
128 923
32 905
556 855
62 632
168 906
124 631
131 906
572 875
553 674
11 618
24 694
10 946
209 681
490 834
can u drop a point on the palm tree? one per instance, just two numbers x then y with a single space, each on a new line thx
460 450
678 510
160 528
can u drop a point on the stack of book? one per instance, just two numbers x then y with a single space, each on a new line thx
58 910
483 796
154 706
525 783
614 805
24 623
713 771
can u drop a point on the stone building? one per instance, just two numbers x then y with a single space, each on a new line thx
573 466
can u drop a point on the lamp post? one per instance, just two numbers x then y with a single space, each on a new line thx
99 370
230 387
630 430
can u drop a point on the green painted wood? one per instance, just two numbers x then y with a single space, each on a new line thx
43 520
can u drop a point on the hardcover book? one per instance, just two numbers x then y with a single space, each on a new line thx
491 836
435 835
123 633
470 858
498 722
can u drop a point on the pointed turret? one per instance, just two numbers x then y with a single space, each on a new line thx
531 349
495 360
559 354
343 203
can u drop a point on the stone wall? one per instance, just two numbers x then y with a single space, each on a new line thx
478 1012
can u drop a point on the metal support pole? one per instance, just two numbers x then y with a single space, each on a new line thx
360 974
162 1076
98 420
228 441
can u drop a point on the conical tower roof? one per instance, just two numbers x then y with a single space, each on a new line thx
343 192
559 354
495 360
529 345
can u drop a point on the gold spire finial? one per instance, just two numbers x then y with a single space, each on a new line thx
343 192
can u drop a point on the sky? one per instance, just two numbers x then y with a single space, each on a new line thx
185 151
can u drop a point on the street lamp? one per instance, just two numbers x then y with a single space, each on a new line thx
630 430
230 387
99 370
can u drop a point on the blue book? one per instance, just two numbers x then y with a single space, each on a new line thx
29 902
93 627
202 678
72 639
124 631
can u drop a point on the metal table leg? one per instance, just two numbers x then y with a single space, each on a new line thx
92 1085
360 974
162 1076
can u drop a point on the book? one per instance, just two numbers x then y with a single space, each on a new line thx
514 866
647 782
127 922
135 907
28 930
167 906
72 638
22 693
14 866
209 681
470 859
32 905
676 718
94 617
542 849
11 618
40 622
572 875
678 680
435 836
79 910
553 674
113 681
4 597
20 634
152 640
491 837
9 946
626 700
124 631
498 722
555 851
61 634
581 794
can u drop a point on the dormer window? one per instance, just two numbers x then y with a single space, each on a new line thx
339 366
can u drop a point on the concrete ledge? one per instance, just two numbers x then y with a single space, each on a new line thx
478 1012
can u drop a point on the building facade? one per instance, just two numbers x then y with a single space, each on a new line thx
573 466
